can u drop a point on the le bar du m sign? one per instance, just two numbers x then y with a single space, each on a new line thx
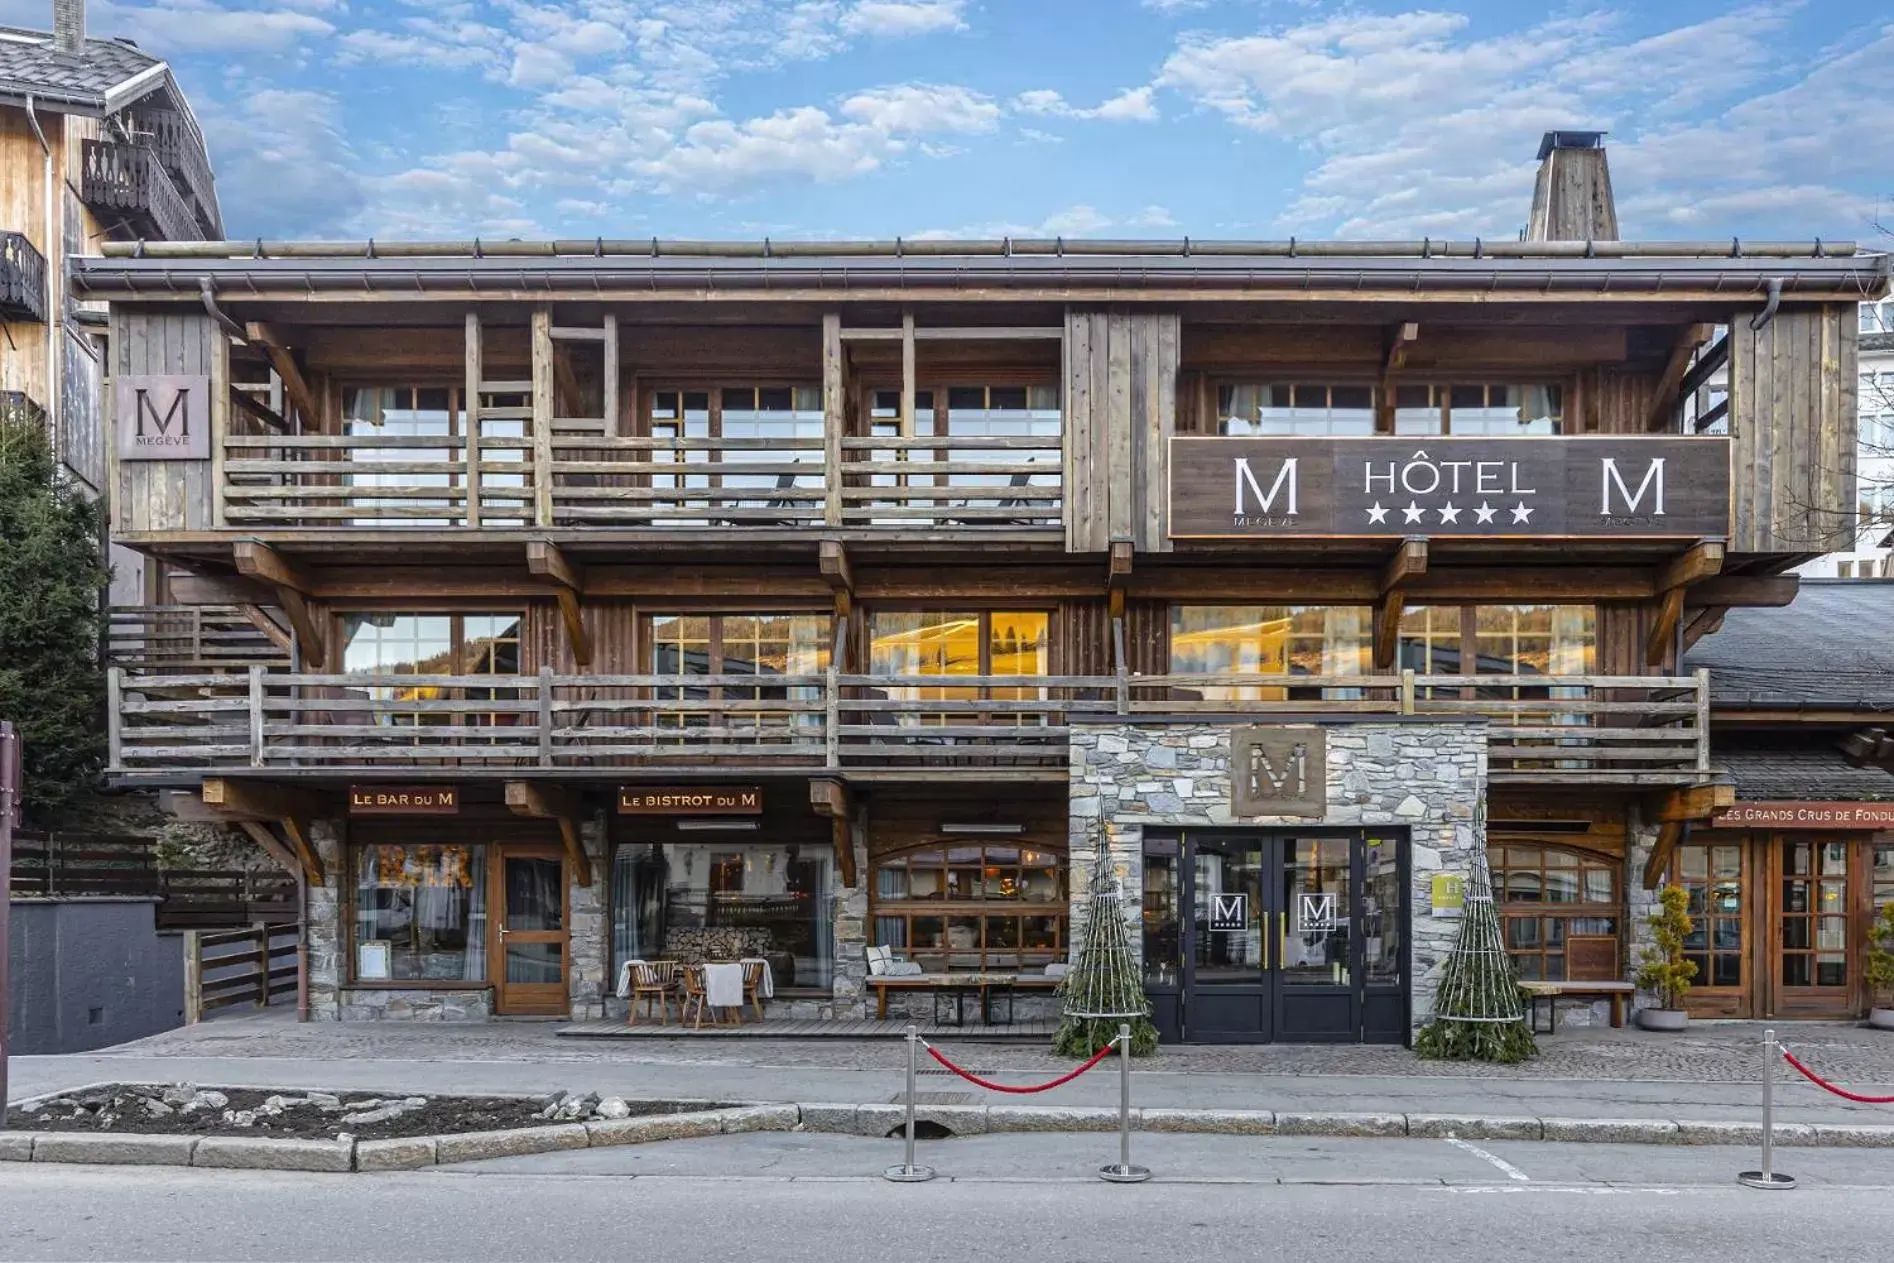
1621 486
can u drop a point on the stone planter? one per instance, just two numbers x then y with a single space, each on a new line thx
1881 1019
1663 1019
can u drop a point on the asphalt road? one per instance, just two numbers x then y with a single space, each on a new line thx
797 1197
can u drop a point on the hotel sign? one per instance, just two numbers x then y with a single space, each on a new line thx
404 800
163 417
690 800
1616 486
1805 815
1278 772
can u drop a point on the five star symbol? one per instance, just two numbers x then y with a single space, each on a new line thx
1484 514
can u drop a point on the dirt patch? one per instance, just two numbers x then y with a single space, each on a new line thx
186 1110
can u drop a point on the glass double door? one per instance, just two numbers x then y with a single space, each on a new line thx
1256 937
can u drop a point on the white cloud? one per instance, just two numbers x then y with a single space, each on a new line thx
1081 219
904 17
923 107
1132 104
198 26
283 166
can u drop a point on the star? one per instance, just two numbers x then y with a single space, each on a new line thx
1412 512
1377 516
1484 513
1521 513
1450 513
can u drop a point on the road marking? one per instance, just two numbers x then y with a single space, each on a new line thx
1512 1172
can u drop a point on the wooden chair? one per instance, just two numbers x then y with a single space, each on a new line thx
697 1000
653 981
753 986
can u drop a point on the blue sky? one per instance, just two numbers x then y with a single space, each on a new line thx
859 118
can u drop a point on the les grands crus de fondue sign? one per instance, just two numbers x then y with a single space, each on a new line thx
1663 486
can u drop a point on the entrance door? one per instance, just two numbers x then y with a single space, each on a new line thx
1809 927
1259 936
529 946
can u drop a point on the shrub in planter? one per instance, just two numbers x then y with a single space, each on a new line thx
1880 970
1663 971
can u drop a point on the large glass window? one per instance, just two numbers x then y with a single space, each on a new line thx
1284 640
1559 910
776 427
960 643
1011 431
420 913
383 643
1299 408
759 645
1712 877
1310 409
698 901
972 906
404 416
1491 409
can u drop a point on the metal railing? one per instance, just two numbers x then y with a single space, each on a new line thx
1547 729
121 181
22 279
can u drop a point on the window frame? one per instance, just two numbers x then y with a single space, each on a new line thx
648 648
1059 910
1382 395
1509 910
353 849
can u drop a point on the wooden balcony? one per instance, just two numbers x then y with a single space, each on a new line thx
179 146
22 279
1546 730
173 638
129 189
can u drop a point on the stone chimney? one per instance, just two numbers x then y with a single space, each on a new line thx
69 27
1572 200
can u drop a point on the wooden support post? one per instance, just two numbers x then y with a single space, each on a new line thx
219 423
908 373
542 415
545 717
260 953
114 717
1698 802
1407 691
1703 719
1400 338
1664 401
1664 626
1704 622
832 696
540 801
1409 562
193 977
1668 835
830 798
1703 560
259 833
834 415
470 416
1121 674
269 416
545 561
265 624
257 560
833 563
608 377
276 346
256 716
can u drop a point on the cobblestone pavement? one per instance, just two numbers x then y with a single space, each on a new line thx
1718 1052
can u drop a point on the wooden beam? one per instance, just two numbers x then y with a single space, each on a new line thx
1703 560
276 346
260 410
1409 562
1400 339
1118 567
832 560
1664 398
207 589
259 833
908 373
567 381
1749 591
834 414
235 800
261 620
1387 628
842 834
546 560
544 409
1668 835
574 619
305 850
1699 802
259 561
1669 610
829 798
552 802
1704 622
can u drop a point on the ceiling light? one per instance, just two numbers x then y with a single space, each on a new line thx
716 826
1003 830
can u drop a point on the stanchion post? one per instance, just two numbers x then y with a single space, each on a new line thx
1122 1171
908 1172
1768 1177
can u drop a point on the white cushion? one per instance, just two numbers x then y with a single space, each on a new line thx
1058 969
904 969
878 961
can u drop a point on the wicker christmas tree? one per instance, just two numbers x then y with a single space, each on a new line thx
1478 1012
1104 988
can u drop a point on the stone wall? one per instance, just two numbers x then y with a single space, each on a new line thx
322 915
418 1004
1428 779
588 945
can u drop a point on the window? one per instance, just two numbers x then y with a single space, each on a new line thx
1883 876
1285 640
420 913
1308 409
377 643
1302 408
1547 898
1495 410
772 426
1844 570
402 414
1006 420
696 901
1535 640
759 645
972 907
961 643
1712 877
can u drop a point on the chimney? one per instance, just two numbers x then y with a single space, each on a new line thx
69 27
1572 200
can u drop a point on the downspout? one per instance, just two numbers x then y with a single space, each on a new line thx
55 259
1768 311
208 292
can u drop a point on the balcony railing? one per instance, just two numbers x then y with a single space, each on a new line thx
181 148
1542 729
173 638
129 183
593 480
22 279
19 408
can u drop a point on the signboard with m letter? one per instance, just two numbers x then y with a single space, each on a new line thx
163 417
1278 772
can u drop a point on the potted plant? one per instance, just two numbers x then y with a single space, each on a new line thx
1664 971
1880 970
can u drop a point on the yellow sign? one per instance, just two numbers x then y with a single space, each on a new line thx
1449 894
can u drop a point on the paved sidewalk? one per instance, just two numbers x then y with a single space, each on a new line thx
1711 1073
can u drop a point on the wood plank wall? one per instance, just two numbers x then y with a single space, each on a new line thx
166 495
1121 410
1792 414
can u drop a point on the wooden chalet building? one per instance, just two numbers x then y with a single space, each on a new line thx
670 599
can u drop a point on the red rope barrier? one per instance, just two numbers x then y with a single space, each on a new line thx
1820 1082
988 1084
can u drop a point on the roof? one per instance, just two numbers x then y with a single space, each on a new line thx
110 75
1802 775
1829 649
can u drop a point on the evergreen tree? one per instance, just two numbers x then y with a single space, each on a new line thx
1478 1012
1104 988
51 581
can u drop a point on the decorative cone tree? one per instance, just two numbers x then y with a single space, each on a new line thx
1478 1012
1104 988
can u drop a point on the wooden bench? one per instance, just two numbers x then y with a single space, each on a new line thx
1553 992
980 984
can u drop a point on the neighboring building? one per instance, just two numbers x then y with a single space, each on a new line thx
1872 554
682 600
97 144
1785 883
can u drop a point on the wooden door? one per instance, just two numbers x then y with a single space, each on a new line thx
1813 958
529 947
1719 875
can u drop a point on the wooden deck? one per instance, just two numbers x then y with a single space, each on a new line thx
809 1029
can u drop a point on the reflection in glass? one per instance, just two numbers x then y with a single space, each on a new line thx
428 904
1005 904
1232 870
1284 640
775 901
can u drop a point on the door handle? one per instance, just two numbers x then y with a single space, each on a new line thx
503 931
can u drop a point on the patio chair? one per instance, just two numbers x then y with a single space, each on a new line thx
652 982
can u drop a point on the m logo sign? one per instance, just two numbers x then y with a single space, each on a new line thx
1278 772
1229 914
163 417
